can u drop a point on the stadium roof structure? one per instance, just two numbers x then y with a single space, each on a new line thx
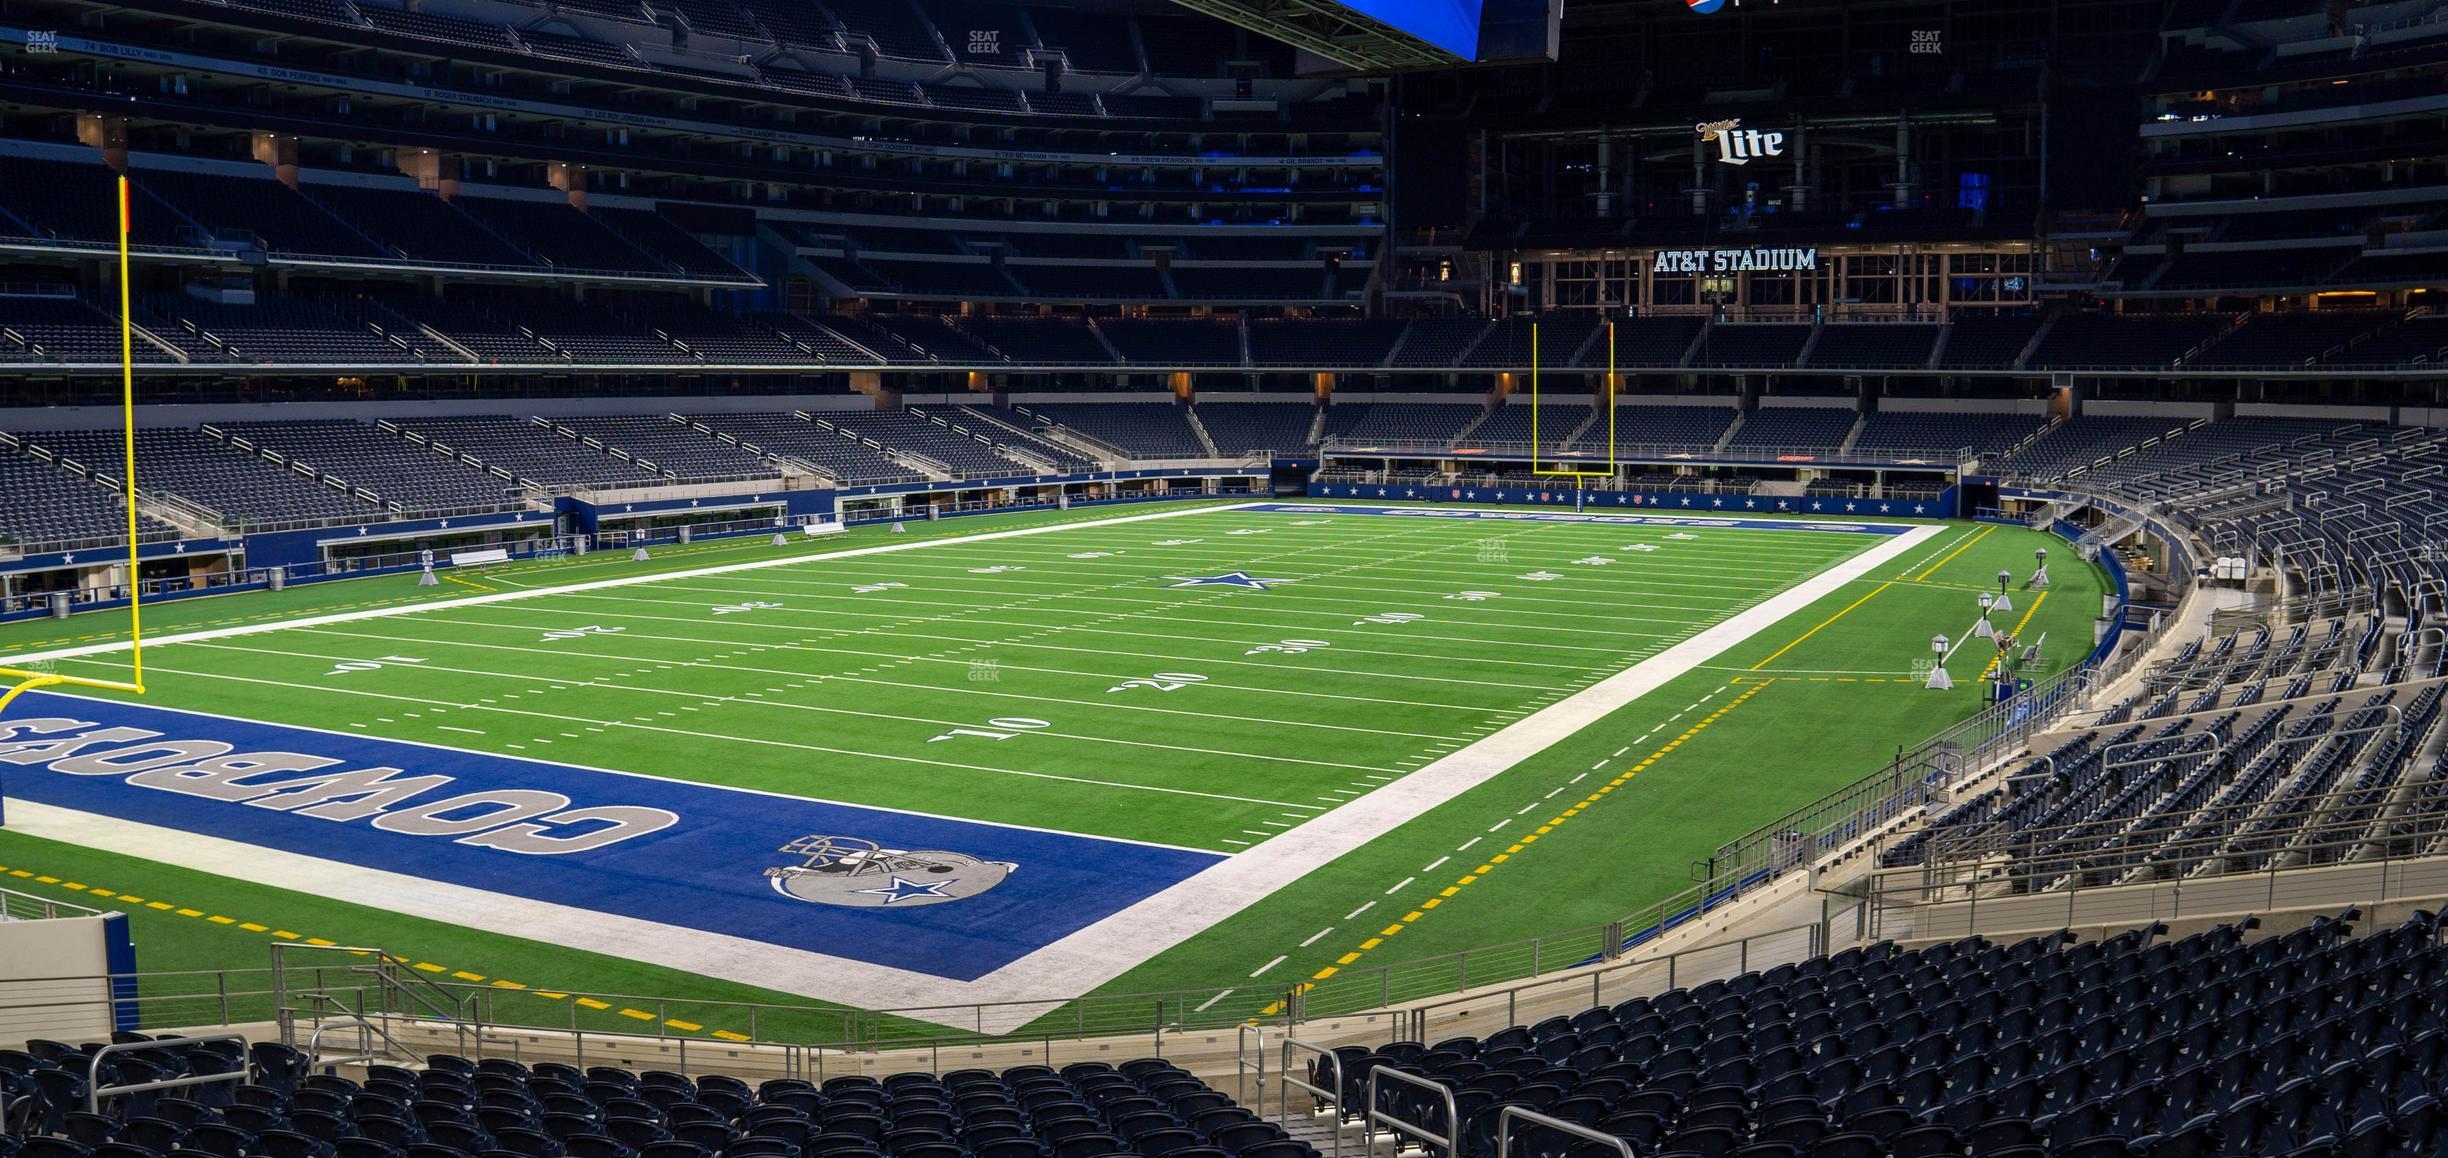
1334 31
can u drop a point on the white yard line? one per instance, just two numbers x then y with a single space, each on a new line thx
604 584
1076 964
829 677
811 647
640 723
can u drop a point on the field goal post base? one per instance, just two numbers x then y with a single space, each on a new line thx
1607 399
26 680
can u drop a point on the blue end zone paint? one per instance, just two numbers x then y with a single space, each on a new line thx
1600 518
704 872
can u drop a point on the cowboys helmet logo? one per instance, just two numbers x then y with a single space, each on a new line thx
846 870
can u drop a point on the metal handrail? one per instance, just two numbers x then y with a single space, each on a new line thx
95 1091
1504 1131
1242 1035
2025 844
1373 1116
384 973
19 906
1597 977
1943 460
1289 1083
341 1017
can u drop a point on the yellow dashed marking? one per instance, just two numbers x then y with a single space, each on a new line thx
684 1026
639 1014
1542 830
2019 626
591 1003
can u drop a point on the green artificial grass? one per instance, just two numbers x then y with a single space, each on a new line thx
793 679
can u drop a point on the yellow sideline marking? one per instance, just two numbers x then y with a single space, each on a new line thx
1824 622
1950 556
1481 871
426 967
2020 624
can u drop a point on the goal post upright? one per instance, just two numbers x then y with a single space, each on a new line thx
1536 467
25 680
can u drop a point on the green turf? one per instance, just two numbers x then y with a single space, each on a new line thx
836 693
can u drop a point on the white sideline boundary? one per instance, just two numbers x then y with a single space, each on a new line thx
603 584
1076 964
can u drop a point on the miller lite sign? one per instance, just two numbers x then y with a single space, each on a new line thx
1737 145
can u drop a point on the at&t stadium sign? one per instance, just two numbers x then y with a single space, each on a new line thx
1736 260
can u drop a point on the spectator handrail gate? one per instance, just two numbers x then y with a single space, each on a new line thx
1448 1144
1290 1082
95 1091
1504 1131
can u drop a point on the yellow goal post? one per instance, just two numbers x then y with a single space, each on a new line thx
1606 399
26 679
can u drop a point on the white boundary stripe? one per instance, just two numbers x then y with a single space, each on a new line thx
1076 964
604 584
1105 950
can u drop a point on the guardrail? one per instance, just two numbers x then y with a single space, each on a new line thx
1733 958
1332 1097
1646 453
17 906
1512 1113
1374 1114
1739 869
2387 856
95 1091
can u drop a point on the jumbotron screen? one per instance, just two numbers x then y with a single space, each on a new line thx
1452 25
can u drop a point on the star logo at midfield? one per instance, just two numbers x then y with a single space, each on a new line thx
1241 579
903 888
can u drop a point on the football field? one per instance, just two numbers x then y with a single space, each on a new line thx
1003 759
